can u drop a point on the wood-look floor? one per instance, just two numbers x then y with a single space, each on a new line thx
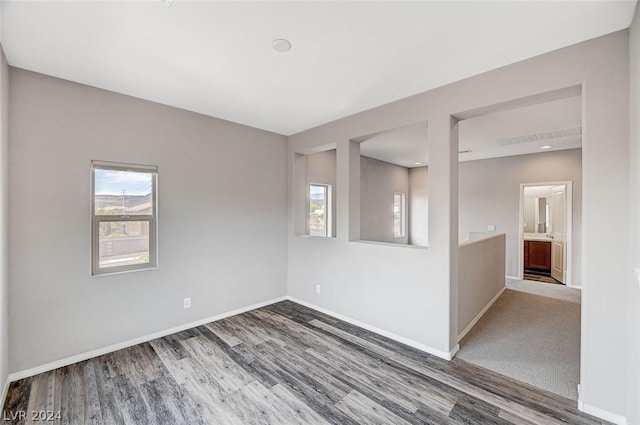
281 364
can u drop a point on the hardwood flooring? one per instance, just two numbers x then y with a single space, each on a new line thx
281 364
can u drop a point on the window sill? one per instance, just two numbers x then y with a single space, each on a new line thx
124 271
399 245
316 237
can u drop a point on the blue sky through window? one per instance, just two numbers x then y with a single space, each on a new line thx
113 182
317 192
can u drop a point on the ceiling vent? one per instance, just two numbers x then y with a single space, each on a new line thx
541 136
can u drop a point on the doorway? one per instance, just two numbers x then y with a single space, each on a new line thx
529 331
546 232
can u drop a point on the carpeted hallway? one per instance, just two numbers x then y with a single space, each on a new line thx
531 338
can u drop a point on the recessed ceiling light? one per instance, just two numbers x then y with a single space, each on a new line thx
281 45
545 147
418 163
465 151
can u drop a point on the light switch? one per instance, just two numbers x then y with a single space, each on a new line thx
491 228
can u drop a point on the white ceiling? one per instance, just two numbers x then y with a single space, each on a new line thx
480 134
407 145
216 57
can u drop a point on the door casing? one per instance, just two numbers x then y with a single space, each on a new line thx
568 184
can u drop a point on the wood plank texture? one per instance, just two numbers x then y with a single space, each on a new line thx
281 364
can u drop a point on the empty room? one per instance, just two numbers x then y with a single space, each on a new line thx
320 212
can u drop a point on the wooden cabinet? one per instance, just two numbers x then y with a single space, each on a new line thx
537 255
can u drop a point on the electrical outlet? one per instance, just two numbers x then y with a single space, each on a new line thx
317 289
187 302
491 228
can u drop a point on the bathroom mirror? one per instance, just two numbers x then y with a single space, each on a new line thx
536 215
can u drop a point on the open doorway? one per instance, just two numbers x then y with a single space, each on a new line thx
546 232
520 181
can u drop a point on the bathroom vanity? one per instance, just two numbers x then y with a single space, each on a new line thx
537 253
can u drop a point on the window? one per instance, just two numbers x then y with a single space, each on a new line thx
123 205
399 215
320 210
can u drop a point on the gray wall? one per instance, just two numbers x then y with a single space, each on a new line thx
419 206
321 168
4 274
413 293
481 276
221 218
379 180
633 291
490 194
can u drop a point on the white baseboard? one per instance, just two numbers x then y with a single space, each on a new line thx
422 347
454 351
119 346
601 413
482 312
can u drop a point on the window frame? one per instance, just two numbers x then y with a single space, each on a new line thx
403 215
151 219
327 210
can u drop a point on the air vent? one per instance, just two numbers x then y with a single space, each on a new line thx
541 136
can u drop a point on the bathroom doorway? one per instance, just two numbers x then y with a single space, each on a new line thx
546 232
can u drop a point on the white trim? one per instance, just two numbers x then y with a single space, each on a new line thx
5 390
568 252
482 312
601 413
422 347
119 346
513 277
454 351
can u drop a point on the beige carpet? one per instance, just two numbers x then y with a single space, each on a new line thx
530 338
554 291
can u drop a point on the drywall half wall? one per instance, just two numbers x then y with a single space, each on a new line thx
221 218
419 206
481 278
412 292
4 273
633 290
379 181
489 191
